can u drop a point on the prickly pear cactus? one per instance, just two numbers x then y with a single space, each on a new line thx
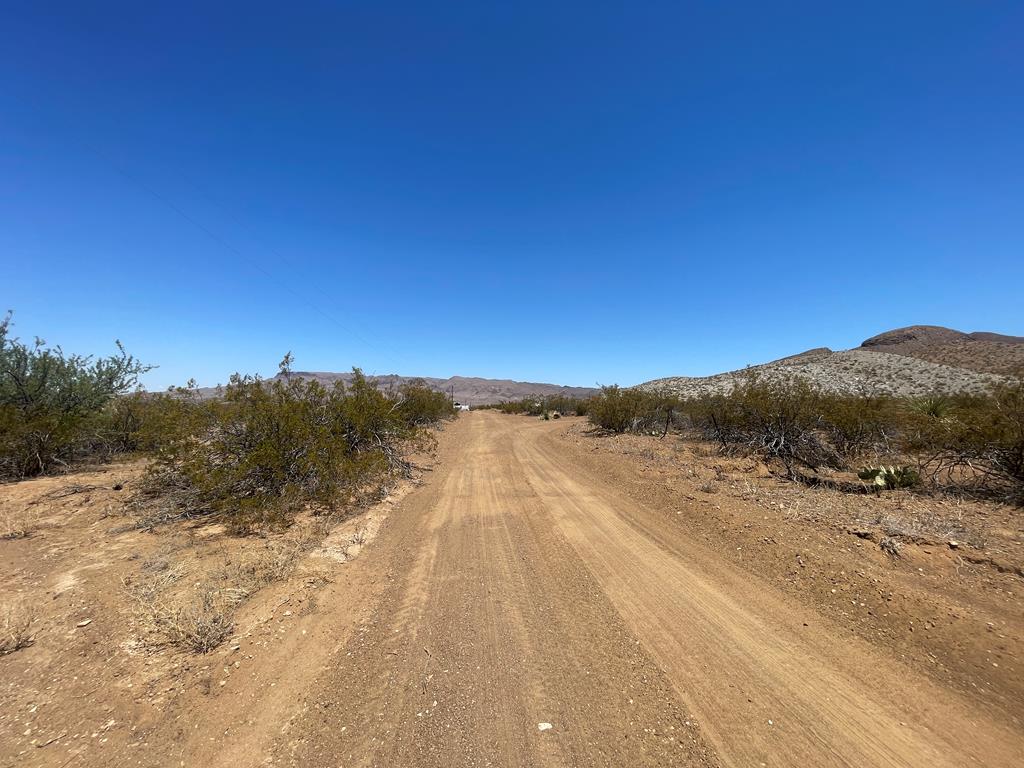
890 477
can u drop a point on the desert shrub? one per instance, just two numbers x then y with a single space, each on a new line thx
969 442
631 410
54 406
537 406
145 422
977 443
780 420
265 449
420 405
859 425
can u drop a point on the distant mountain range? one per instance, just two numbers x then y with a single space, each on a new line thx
912 361
468 390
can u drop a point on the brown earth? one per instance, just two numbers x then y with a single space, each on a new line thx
655 604
978 351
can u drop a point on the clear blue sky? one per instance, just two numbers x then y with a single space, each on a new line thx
568 192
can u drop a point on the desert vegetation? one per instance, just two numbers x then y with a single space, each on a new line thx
265 450
539 406
286 458
59 409
254 455
968 443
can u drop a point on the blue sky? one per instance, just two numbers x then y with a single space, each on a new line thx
567 192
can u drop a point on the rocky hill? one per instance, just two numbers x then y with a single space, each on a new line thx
907 362
978 351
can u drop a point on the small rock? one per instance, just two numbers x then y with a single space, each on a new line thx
84 623
544 726
954 544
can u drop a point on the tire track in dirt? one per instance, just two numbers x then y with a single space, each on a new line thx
770 689
490 628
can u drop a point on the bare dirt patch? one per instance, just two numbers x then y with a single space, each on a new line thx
651 602
939 581
110 632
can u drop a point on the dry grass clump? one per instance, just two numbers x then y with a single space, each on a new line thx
259 567
927 524
891 546
197 616
199 624
902 516
14 523
16 621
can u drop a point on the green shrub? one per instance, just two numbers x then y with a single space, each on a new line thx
631 410
55 408
265 449
976 444
536 406
780 420
859 425
419 405
971 443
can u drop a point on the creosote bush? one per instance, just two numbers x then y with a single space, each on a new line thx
778 421
968 443
538 406
57 409
632 410
265 449
975 443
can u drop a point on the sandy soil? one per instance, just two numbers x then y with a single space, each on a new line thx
653 605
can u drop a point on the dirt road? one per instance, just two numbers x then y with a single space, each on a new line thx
517 590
